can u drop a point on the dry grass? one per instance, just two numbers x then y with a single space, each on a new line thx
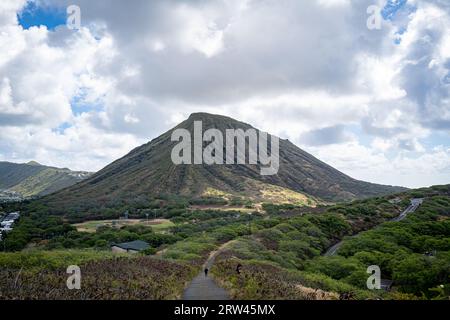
316 294
222 208
141 278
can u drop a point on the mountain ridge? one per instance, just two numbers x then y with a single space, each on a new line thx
147 171
32 179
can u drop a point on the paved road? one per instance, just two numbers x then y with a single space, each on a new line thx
333 249
415 203
204 287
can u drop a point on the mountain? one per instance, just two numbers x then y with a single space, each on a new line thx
22 180
148 171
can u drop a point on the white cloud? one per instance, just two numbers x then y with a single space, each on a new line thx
198 31
333 3
306 70
8 9
372 164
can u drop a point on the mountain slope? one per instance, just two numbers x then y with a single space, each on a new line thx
12 174
148 171
32 179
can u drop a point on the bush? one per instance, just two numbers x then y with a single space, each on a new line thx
149 251
101 244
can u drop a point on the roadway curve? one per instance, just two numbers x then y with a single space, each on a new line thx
415 203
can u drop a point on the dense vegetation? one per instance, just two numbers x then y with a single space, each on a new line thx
35 228
159 206
281 251
52 233
46 269
263 280
414 253
292 240
101 277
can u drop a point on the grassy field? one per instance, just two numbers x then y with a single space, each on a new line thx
222 208
158 225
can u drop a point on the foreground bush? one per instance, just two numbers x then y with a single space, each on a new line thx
38 260
136 278
266 281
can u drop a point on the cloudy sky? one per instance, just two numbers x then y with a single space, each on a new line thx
374 103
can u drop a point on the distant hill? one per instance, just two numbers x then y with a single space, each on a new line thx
148 171
22 180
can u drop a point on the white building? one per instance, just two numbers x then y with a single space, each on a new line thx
7 223
13 216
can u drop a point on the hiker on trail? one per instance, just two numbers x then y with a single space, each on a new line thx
238 268
206 272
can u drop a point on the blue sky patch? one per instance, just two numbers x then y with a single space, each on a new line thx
79 105
436 138
62 128
391 8
34 15
398 35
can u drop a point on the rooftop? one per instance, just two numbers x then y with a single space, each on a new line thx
137 245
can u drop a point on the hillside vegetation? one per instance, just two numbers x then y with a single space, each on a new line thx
413 253
43 276
33 179
280 249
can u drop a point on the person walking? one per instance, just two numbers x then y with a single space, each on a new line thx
206 272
